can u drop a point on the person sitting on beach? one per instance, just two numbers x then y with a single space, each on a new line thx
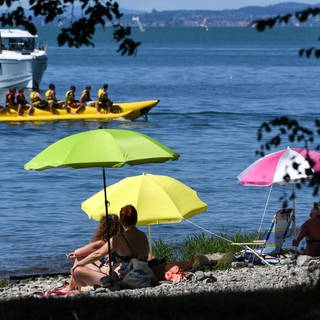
85 98
53 102
11 100
23 104
98 240
72 103
311 231
103 101
124 246
37 100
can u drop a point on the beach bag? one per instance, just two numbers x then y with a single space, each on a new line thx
108 281
139 275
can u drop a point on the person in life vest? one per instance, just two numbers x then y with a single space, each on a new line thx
11 100
36 99
85 98
53 103
23 104
103 101
72 103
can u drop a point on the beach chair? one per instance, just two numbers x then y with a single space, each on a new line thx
271 249
282 227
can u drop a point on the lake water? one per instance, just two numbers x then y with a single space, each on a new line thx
215 88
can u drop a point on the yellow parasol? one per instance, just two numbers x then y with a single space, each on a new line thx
158 199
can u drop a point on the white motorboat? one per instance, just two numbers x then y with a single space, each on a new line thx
22 60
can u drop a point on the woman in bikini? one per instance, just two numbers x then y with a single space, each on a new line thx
98 240
132 243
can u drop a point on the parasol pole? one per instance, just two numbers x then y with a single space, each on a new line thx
294 231
107 223
294 210
150 238
293 200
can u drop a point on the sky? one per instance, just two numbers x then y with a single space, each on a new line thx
148 5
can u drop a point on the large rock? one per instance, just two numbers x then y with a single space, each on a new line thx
303 260
215 256
199 261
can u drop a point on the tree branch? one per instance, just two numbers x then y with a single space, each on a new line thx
81 29
301 16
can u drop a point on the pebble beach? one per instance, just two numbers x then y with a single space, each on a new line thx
304 272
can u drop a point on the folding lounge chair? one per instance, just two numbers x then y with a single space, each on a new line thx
270 249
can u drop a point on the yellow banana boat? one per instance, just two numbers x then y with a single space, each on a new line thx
126 110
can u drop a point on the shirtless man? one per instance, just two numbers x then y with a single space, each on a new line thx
311 230
11 100
85 98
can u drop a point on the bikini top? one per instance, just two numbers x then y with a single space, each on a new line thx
116 256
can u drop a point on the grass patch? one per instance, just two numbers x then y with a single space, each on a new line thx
200 244
161 249
4 283
204 244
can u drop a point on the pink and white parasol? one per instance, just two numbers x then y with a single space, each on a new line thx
274 167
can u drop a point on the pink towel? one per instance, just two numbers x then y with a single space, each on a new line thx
52 293
174 274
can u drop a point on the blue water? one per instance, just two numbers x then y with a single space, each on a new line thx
215 88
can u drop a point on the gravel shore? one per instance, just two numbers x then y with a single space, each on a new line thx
303 272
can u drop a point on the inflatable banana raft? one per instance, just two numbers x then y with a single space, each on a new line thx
126 110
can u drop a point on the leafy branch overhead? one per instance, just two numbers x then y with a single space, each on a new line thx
80 27
284 127
274 131
301 16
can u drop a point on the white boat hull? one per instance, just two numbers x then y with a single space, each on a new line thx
22 71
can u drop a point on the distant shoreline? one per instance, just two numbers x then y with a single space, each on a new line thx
242 17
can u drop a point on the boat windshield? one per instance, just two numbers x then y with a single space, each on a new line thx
18 44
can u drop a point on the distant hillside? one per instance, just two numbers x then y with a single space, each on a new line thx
274 9
231 17
194 18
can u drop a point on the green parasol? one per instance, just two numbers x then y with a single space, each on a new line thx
103 148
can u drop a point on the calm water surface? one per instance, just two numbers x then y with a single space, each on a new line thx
215 88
